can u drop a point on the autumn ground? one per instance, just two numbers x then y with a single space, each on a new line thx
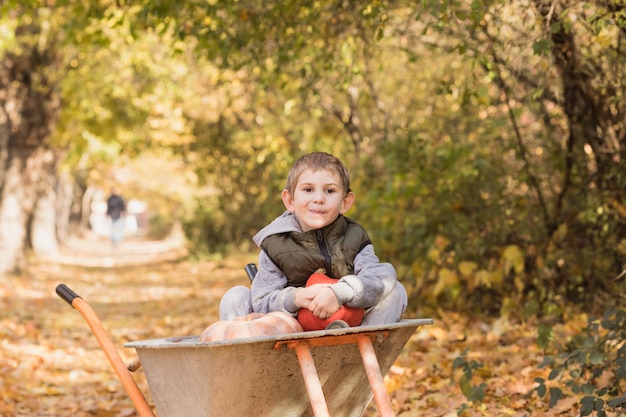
51 364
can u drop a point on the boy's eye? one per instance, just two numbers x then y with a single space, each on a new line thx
308 189
330 191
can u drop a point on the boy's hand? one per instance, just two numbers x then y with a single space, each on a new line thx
304 295
320 299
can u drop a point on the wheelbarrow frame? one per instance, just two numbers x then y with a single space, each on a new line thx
301 343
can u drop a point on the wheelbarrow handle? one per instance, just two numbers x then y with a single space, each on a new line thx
66 294
251 270
108 347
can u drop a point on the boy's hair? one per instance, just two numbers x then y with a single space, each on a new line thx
316 161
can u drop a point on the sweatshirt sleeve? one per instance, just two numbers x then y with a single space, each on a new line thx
269 289
371 282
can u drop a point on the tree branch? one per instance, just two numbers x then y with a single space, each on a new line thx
499 80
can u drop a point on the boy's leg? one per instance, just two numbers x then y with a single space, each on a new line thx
236 302
389 309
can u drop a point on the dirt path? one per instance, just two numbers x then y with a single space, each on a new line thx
50 362
91 250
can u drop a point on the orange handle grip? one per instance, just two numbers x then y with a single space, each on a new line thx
108 347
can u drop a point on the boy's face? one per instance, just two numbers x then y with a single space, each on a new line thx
317 199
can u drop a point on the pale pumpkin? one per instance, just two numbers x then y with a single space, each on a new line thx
251 325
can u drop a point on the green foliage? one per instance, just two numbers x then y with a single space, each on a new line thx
129 105
544 336
159 227
473 392
466 193
244 146
488 166
542 47
592 364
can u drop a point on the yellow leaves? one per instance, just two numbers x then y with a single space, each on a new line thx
447 279
619 208
604 40
448 276
51 364
418 268
486 278
481 278
467 268
576 323
437 251
433 254
289 105
503 359
607 37
512 260
396 377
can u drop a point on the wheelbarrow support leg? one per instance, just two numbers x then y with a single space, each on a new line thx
372 369
311 379
370 363
108 347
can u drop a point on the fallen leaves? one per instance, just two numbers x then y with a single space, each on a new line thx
51 364
424 382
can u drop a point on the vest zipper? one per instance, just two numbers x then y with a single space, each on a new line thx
321 242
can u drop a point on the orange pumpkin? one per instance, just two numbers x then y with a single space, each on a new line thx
352 316
251 325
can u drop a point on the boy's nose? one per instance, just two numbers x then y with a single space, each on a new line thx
319 197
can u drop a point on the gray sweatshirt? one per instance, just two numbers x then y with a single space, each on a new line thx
371 282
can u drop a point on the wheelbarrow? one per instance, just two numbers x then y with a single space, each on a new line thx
324 373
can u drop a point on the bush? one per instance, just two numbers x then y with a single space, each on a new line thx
591 365
159 227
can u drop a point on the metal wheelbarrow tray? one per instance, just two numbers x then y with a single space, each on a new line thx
320 373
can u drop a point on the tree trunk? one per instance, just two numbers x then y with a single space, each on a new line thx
593 104
43 227
65 197
29 106
18 198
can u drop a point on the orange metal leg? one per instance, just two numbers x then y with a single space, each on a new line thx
370 362
372 369
116 361
311 379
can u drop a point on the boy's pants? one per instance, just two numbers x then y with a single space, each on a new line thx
237 302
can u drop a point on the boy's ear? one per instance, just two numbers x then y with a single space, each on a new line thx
287 200
347 202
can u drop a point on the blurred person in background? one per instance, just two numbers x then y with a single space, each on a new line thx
116 209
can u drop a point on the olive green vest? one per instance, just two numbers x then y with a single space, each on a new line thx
333 248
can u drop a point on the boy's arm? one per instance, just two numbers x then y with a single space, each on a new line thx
372 281
269 289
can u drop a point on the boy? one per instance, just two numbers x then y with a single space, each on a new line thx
314 234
